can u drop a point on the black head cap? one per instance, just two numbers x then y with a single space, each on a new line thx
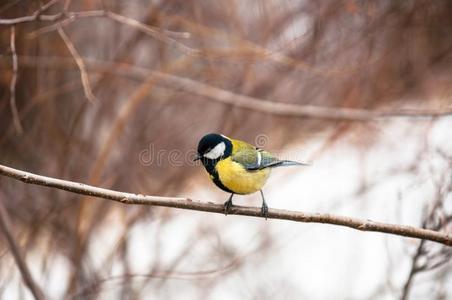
213 146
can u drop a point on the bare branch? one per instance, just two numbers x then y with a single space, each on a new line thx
158 34
187 203
31 18
65 19
5 228
81 65
163 35
246 102
414 269
66 5
37 15
12 87
425 259
45 7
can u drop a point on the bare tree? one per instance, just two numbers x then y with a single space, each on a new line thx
116 94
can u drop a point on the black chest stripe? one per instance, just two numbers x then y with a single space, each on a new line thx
217 181
210 167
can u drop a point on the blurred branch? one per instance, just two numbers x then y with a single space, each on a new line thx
156 33
186 203
66 5
239 100
186 276
117 126
65 18
427 258
247 50
81 65
37 15
162 35
290 109
12 87
6 229
413 270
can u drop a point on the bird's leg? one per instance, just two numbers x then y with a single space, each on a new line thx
228 205
264 208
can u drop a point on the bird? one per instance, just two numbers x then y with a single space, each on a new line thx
237 167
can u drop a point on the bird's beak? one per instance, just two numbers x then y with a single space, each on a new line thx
198 157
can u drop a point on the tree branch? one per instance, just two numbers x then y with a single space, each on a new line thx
414 269
37 15
81 65
64 18
187 203
5 228
220 95
12 86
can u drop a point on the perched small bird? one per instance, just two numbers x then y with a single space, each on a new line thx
237 167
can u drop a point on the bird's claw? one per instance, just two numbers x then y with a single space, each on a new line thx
227 206
264 210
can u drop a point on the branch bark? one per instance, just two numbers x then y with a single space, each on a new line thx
187 203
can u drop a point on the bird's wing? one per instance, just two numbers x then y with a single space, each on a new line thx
252 158
244 154
268 160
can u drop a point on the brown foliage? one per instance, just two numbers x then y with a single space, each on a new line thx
78 121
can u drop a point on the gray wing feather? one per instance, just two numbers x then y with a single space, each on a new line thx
259 159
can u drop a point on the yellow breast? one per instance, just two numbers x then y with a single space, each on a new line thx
236 178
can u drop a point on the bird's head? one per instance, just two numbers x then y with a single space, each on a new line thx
213 147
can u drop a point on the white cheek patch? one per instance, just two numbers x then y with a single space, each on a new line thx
216 152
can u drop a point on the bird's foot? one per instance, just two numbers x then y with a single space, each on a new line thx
227 206
264 210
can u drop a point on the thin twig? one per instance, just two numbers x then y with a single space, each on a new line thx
158 34
66 5
65 19
187 203
163 35
37 15
45 7
6 229
174 275
32 18
422 260
81 65
12 86
414 269
249 49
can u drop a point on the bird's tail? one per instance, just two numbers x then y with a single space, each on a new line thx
288 163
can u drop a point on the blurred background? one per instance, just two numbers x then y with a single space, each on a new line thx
117 94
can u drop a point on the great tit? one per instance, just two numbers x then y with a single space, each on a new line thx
237 167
